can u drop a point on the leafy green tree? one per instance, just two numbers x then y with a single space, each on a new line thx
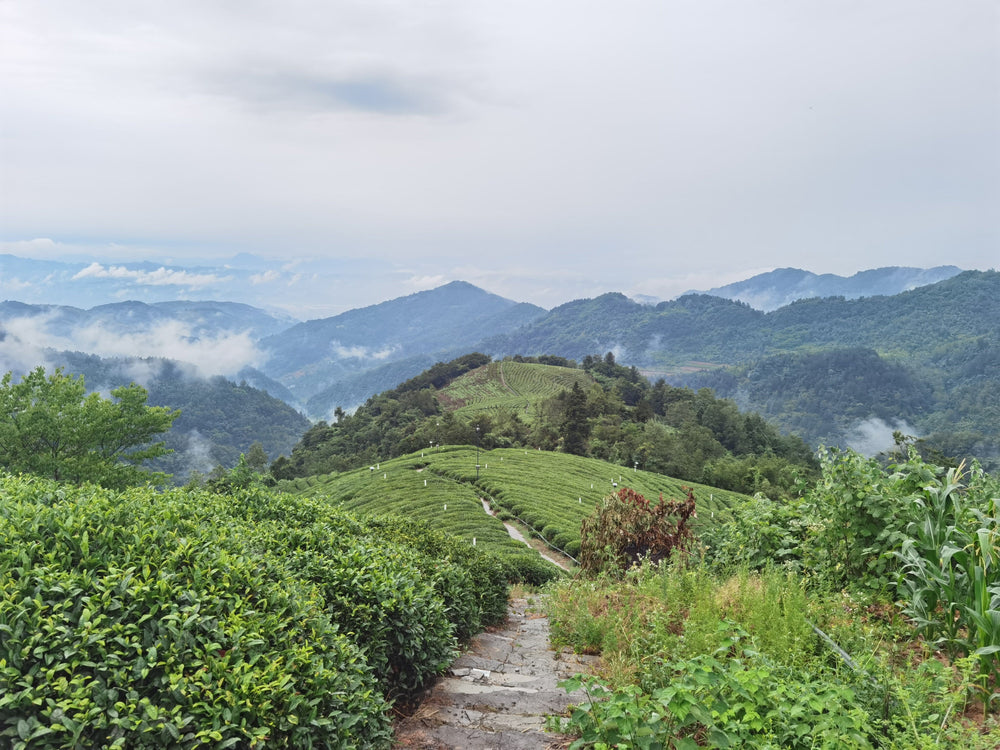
51 427
256 458
575 426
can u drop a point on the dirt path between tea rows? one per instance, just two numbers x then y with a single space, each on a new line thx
519 537
497 694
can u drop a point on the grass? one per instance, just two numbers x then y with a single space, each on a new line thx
406 487
693 657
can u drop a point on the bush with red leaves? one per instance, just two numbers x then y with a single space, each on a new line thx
626 528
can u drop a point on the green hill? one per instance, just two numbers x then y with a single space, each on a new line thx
549 492
601 410
508 385
935 343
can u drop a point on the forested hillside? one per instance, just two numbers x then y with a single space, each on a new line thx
782 286
600 409
314 358
826 368
219 419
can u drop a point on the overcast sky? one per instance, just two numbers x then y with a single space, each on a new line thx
544 150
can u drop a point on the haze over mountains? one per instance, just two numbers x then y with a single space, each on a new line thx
937 331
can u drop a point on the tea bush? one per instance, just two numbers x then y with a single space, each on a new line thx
188 619
472 585
132 621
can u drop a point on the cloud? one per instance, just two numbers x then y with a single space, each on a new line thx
360 352
162 276
377 92
221 355
265 277
550 136
421 283
13 284
22 346
197 454
874 435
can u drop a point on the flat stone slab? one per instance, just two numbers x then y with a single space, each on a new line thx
497 695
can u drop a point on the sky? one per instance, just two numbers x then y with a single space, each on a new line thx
544 151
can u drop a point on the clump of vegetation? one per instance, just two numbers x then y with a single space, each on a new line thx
794 652
51 427
626 529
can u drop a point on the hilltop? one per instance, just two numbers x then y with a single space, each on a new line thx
598 409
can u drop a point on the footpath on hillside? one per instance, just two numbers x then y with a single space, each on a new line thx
497 695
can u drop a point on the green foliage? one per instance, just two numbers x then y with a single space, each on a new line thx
857 517
49 426
575 428
142 620
927 355
757 534
731 698
472 585
187 618
557 490
605 411
219 419
733 661
416 488
950 581
822 395
626 529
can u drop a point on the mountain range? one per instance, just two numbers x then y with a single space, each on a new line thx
936 332
783 286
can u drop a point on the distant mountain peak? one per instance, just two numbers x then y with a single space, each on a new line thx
782 286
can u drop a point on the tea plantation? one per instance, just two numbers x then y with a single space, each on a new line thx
182 619
551 493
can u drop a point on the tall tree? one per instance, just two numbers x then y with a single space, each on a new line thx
50 426
575 425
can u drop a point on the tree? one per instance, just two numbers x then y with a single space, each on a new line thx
575 426
256 458
50 426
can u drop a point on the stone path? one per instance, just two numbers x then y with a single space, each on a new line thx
497 694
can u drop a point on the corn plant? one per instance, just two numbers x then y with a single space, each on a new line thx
950 578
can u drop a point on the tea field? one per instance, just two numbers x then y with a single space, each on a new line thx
551 493
511 386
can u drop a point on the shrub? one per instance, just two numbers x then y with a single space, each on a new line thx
139 620
626 529
530 569
472 583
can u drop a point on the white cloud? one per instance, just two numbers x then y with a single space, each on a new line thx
422 283
222 355
359 352
265 277
13 284
872 436
160 277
